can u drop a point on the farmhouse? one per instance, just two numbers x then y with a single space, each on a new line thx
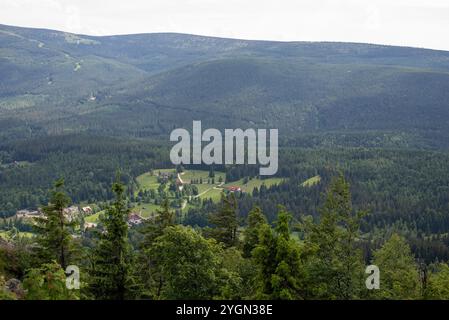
89 225
71 212
87 210
233 189
28 213
135 219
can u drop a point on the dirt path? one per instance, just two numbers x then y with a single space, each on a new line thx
219 186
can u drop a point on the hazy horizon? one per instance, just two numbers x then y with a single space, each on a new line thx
410 23
222 37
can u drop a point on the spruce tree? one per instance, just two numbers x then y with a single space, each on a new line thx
151 280
277 256
399 275
334 261
54 230
225 221
112 258
438 282
256 218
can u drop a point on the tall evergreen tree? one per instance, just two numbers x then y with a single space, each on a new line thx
277 256
112 258
399 275
151 280
153 228
54 230
334 260
438 283
48 282
256 218
225 221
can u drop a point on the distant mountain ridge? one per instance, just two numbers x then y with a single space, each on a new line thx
143 85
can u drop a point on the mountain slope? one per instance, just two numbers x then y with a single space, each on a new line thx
145 85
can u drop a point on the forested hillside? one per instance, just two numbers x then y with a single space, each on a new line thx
230 259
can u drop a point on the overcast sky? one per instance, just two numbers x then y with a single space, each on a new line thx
418 23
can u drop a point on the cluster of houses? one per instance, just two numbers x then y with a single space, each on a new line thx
70 212
73 212
135 219
28 213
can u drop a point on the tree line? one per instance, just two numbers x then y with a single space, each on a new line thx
287 258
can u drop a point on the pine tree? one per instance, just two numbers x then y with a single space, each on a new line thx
48 282
438 282
225 222
278 258
256 218
335 262
112 260
399 275
54 230
151 280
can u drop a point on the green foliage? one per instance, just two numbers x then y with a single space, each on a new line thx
112 257
4 294
238 278
399 276
54 230
189 264
437 287
225 221
335 263
277 256
256 218
151 279
47 282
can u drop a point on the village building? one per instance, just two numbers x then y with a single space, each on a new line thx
134 219
233 189
87 210
28 213
89 225
71 213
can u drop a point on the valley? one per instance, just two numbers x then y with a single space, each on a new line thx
82 108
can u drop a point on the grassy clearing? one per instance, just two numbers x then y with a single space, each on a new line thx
94 218
190 175
254 183
147 181
146 209
311 182
5 234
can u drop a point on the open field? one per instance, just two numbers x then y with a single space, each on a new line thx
254 183
93 218
145 209
148 181
190 175
5 234
311 182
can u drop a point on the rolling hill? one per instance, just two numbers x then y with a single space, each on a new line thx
144 85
